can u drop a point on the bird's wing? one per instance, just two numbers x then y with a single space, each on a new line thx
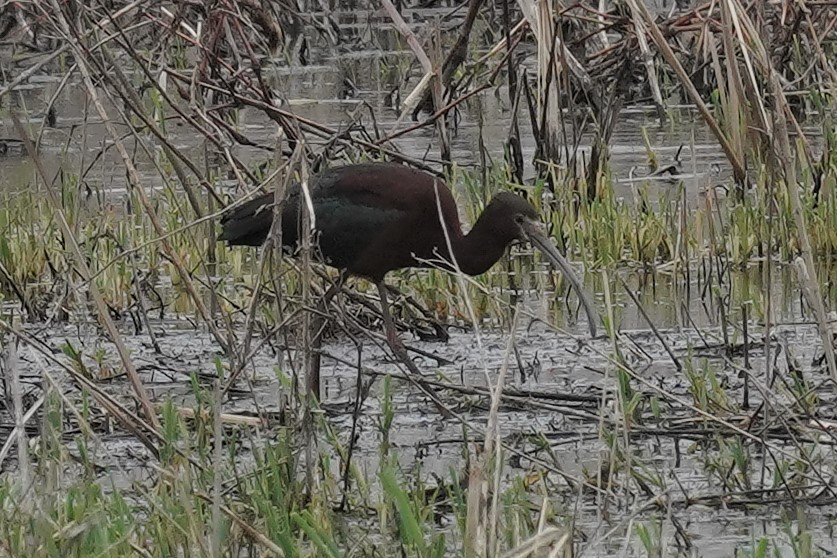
346 228
249 223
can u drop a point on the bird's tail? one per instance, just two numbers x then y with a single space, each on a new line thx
248 224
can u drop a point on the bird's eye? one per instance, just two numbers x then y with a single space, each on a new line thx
518 219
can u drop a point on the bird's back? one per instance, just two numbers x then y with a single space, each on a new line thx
370 218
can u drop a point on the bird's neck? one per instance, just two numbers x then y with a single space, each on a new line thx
478 250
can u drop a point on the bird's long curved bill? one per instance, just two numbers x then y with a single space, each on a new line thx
539 239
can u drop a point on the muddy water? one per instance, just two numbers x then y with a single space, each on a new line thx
550 366
547 362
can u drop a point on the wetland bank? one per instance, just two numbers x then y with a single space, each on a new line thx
153 378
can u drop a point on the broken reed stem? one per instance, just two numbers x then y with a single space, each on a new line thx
431 75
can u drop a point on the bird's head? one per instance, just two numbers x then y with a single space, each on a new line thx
516 219
512 217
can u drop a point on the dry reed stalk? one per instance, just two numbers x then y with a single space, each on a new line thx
33 69
6 448
552 542
36 66
215 535
501 44
429 80
807 272
541 17
142 430
226 418
647 59
307 228
738 169
81 54
651 324
778 447
493 450
310 365
555 64
314 128
728 96
84 270
482 520
133 424
245 524
23 462
271 252
776 130
457 54
429 72
825 62
573 481
601 34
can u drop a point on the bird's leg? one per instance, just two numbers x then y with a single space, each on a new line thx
318 325
394 341
333 290
400 351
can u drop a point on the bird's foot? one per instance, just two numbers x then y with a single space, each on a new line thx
397 346
400 351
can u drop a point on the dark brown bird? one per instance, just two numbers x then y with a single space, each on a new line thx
372 218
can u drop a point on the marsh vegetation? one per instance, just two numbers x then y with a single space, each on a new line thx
682 156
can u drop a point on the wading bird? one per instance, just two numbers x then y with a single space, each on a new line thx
373 218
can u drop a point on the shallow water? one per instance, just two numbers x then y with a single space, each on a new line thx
567 380
318 91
